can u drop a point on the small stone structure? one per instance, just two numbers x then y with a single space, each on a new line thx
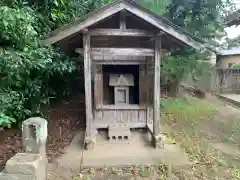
32 164
119 133
121 84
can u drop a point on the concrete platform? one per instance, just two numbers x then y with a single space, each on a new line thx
106 154
231 98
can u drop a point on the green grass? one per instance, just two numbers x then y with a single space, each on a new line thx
184 120
186 114
188 107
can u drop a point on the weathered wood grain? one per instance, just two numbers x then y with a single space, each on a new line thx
124 116
119 51
120 32
142 85
98 85
87 76
122 22
157 96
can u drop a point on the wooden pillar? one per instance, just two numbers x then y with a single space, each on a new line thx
142 85
88 91
150 81
149 89
157 91
123 20
98 86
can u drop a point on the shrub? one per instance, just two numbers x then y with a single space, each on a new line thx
26 67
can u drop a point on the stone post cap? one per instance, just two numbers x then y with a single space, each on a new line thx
35 121
40 126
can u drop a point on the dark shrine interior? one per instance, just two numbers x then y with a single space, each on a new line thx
108 93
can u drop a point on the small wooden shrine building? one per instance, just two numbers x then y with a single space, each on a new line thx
121 45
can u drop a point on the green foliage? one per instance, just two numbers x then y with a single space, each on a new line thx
54 13
232 43
17 27
203 18
237 65
156 6
181 64
25 66
6 120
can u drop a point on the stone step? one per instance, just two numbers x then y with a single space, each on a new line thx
6 176
119 133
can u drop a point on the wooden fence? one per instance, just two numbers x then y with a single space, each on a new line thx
224 81
228 81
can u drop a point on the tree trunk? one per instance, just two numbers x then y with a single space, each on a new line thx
174 88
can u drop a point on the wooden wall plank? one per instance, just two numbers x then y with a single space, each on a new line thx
98 86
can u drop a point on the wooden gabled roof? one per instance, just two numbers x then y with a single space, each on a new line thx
163 24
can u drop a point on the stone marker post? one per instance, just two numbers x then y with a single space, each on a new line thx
32 164
34 131
34 137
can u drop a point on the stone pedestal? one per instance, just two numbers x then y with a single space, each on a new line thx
28 165
32 164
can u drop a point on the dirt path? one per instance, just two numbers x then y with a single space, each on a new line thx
130 173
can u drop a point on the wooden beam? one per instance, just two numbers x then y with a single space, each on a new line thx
120 32
122 51
119 51
119 62
118 58
88 88
123 20
157 90
79 51
161 33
